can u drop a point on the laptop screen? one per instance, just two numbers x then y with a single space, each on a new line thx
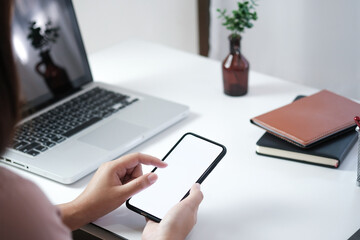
48 51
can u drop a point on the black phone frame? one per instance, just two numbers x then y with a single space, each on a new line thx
200 180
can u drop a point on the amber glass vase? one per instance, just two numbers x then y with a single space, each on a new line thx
235 70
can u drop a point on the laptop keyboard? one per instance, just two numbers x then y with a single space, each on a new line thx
55 126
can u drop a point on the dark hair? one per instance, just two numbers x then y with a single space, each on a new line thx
9 87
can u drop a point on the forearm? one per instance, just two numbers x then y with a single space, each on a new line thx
73 215
165 230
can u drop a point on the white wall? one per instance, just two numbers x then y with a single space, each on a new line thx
106 22
313 42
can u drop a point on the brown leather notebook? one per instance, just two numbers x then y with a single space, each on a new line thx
311 119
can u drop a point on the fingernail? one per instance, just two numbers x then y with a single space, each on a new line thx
197 186
152 177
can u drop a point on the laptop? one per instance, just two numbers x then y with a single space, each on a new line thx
72 124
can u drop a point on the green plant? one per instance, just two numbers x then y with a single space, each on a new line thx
240 18
42 39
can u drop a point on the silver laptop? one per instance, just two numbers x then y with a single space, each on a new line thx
72 124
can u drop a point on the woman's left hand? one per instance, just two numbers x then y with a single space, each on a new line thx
113 183
179 220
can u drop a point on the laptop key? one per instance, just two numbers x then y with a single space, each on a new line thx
58 139
43 140
50 135
46 131
19 138
81 127
65 128
30 139
33 153
59 131
28 147
117 106
41 148
20 145
74 124
49 144
38 135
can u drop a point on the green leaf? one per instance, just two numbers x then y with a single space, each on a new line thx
240 18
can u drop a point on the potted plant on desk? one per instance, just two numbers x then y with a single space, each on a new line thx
235 67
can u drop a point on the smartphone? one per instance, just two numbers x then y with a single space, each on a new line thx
190 160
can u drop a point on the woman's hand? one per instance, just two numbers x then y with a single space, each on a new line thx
113 183
179 221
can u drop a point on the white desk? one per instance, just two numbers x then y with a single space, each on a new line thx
247 196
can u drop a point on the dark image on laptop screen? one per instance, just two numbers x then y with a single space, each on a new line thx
48 50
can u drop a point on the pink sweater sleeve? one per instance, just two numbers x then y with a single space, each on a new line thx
25 212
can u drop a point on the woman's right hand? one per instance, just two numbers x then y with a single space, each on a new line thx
112 184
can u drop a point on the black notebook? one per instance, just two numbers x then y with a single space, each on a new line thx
330 153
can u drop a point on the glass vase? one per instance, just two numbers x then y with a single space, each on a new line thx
235 69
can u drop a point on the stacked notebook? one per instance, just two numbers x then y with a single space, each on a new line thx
317 129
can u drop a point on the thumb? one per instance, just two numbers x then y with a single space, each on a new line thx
138 184
195 197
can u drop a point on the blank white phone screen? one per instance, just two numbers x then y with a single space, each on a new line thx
186 163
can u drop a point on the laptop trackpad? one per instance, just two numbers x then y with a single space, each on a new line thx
113 134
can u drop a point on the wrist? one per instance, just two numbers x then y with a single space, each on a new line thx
73 214
172 233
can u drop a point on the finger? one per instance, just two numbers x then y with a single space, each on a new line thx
196 196
131 174
138 184
150 160
131 160
137 171
148 220
150 223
